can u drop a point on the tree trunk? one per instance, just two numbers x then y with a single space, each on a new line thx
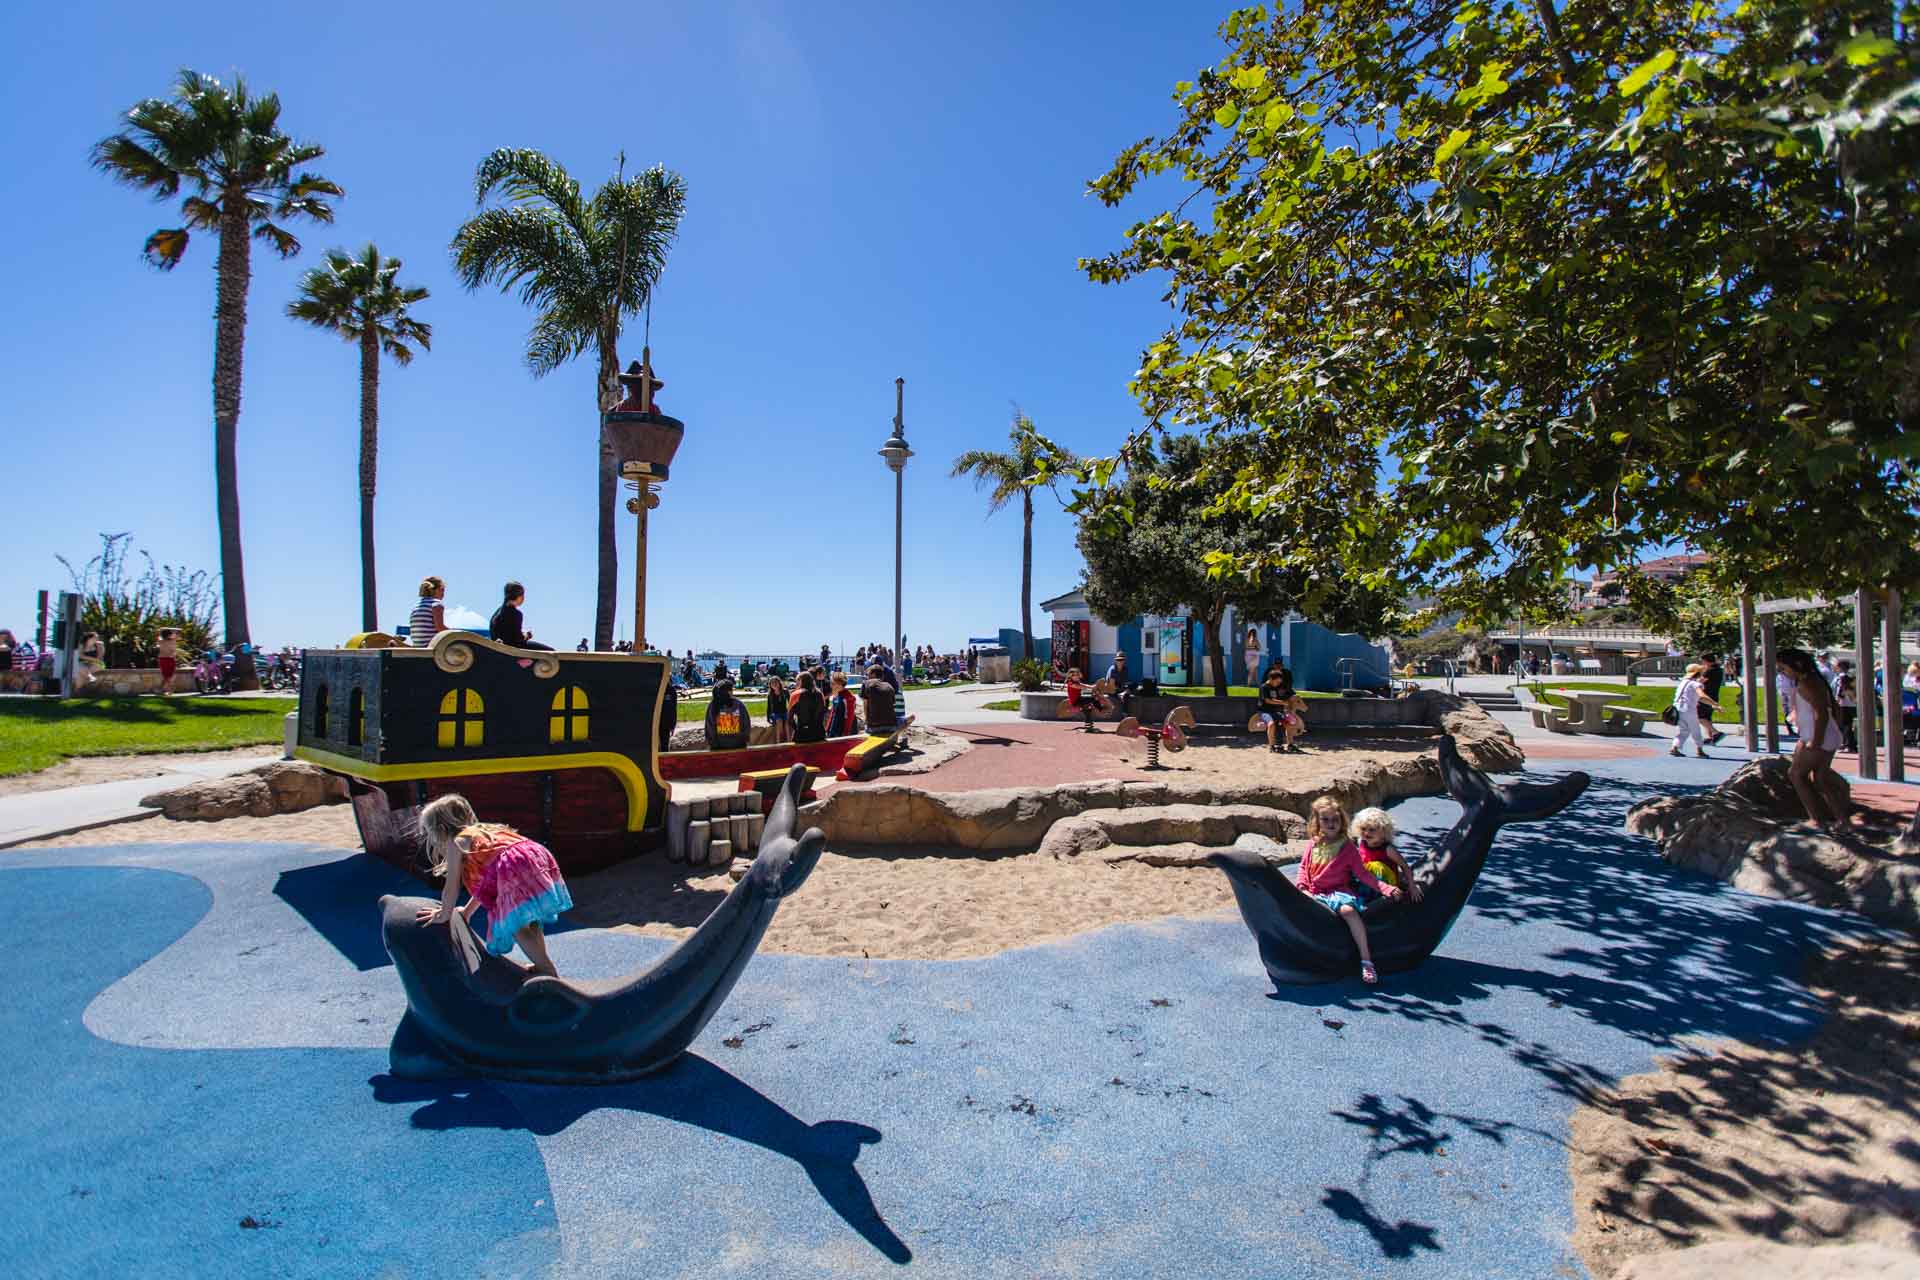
1026 573
1214 652
369 463
607 584
229 336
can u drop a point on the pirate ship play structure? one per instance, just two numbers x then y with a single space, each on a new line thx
562 746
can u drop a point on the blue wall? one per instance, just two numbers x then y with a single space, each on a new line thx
1042 642
1316 649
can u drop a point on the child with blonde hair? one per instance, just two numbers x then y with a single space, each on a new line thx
1373 830
1327 873
514 878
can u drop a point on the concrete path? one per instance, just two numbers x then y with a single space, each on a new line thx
36 815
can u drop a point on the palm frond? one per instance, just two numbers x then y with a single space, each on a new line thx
533 249
522 174
284 242
127 161
164 249
999 470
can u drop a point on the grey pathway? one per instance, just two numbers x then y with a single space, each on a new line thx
36 815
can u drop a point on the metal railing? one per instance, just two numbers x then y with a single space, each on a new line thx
1669 665
1350 669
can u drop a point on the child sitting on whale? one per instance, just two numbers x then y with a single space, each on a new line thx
1332 865
514 878
1373 830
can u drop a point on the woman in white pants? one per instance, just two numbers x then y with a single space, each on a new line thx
1688 698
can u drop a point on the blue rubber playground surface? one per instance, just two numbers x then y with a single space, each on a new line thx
193 1083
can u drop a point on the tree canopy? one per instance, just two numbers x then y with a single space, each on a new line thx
1174 554
356 294
1542 288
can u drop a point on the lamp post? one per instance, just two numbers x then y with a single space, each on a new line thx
896 452
644 440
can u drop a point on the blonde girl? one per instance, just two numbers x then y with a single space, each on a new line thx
1374 831
514 878
1327 873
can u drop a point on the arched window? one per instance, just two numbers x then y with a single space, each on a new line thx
568 723
463 719
320 712
356 717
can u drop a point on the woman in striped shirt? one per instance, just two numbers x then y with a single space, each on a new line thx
429 617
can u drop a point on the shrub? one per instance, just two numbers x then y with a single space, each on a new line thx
129 612
1030 674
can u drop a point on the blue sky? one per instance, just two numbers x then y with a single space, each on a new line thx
875 191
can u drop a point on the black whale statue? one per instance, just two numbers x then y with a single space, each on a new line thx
470 1013
1301 942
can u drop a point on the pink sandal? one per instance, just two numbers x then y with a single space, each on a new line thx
1368 974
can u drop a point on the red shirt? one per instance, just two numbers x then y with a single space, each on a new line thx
1337 875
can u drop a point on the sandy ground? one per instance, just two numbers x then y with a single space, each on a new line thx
81 770
1810 1145
875 902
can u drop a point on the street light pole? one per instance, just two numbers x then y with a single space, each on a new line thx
896 452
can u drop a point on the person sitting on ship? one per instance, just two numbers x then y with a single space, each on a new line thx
729 726
429 616
507 626
879 694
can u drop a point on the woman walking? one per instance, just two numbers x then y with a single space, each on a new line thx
1688 697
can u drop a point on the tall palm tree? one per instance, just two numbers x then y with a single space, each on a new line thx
1003 475
585 265
361 299
225 146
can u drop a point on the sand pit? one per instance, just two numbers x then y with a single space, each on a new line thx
877 903
1810 1145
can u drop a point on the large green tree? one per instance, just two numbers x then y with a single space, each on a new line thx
244 180
1566 282
1180 549
1004 475
584 265
360 298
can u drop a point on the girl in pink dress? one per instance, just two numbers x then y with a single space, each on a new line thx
1331 866
514 878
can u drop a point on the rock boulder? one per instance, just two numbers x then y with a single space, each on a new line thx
282 786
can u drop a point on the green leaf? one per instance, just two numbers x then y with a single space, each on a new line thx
1278 114
1867 48
1455 140
1225 115
1643 74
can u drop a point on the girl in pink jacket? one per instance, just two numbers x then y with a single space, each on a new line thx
1331 865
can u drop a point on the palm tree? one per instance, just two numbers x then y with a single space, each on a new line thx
1003 475
226 147
585 265
361 299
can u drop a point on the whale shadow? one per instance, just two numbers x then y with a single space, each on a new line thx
693 1091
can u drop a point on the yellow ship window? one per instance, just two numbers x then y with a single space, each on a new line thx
463 719
568 722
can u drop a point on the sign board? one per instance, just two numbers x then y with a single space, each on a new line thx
1792 604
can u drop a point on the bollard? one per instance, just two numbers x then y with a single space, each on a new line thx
699 834
720 853
756 825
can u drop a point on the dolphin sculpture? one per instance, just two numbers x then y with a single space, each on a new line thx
1301 942
470 1013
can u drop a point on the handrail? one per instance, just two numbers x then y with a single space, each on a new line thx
1664 665
1349 668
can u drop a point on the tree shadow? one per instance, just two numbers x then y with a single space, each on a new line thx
1396 1239
692 1091
1667 954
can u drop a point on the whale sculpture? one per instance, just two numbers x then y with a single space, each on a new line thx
1301 942
470 1013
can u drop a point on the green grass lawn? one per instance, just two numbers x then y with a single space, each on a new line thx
1005 704
1648 697
698 710
38 733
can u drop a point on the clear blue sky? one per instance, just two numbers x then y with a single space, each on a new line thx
875 191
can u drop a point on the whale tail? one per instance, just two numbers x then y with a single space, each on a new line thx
1505 801
786 860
